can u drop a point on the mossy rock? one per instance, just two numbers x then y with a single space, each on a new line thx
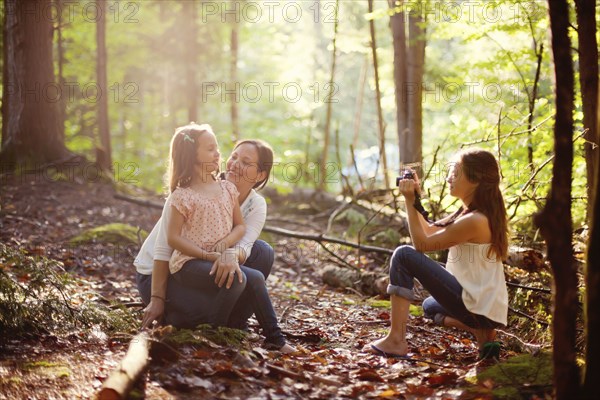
205 335
116 233
520 377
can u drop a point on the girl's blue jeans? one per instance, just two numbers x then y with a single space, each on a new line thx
193 297
446 292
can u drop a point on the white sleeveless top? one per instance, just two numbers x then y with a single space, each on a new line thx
482 279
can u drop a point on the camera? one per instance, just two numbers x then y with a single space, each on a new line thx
406 175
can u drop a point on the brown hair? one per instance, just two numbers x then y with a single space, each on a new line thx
265 158
182 158
480 166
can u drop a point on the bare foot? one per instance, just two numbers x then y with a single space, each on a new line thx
387 345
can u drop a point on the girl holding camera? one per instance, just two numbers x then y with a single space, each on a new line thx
470 293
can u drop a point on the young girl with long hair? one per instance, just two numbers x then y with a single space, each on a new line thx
470 293
205 224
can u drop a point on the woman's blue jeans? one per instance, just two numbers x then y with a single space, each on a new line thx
446 292
193 297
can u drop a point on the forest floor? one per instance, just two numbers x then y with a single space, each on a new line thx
329 326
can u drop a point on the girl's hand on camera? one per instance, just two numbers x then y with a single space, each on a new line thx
407 187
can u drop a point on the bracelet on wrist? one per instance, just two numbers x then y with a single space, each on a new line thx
159 297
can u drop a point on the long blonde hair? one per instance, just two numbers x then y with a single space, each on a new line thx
182 158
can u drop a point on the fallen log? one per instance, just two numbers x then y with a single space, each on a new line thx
121 381
368 283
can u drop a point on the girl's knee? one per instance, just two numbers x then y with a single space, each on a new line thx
404 251
429 305
401 255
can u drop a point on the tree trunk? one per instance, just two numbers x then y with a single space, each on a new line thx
539 53
359 106
62 115
416 63
329 99
5 60
588 78
30 130
234 80
398 27
592 284
104 151
190 54
409 61
380 125
555 219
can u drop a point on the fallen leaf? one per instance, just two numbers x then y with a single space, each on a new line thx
420 390
369 375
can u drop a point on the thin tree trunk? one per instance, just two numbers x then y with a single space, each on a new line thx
359 104
234 80
539 54
398 27
416 65
191 55
330 101
380 121
103 151
592 300
588 78
6 59
555 219
62 116
29 112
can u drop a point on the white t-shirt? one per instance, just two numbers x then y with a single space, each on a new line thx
156 247
482 280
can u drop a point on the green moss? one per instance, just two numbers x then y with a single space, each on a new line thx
519 377
50 369
379 303
39 364
116 233
415 311
204 334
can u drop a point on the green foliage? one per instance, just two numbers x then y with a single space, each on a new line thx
116 233
37 296
356 221
386 238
